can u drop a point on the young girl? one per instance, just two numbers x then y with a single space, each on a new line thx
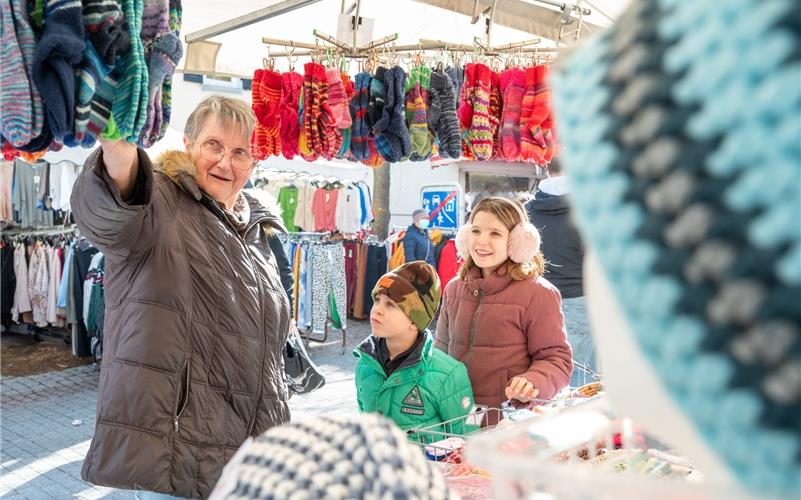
500 317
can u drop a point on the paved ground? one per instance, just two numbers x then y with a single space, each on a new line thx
47 421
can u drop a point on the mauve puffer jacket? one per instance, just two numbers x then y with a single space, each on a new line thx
196 319
500 328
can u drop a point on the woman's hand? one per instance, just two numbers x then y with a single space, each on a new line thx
521 389
122 164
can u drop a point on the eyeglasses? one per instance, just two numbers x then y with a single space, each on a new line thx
212 150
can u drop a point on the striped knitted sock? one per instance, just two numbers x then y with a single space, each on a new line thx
309 113
164 57
336 96
258 139
176 15
89 76
496 108
350 90
289 131
480 133
271 97
417 84
447 126
133 81
513 81
536 108
358 110
17 120
100 105
330 136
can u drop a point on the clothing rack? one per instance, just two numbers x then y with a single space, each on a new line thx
318 238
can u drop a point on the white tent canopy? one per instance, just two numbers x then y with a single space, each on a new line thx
447 20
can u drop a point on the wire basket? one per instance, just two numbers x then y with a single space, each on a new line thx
586 452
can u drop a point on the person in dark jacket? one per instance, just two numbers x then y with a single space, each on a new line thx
416 244
196 314
564 253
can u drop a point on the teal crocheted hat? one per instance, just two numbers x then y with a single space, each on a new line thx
681 129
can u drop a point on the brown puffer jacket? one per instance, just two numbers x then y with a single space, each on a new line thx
196 319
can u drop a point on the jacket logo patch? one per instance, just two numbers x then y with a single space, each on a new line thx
465 402
414 398
386 282
412 411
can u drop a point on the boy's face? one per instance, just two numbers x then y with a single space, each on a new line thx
388 319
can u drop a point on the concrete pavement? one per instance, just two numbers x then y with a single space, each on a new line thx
47 421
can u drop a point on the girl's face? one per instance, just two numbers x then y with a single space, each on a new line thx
488 241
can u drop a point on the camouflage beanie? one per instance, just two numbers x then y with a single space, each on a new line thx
415 288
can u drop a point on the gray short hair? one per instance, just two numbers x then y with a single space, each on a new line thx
229 111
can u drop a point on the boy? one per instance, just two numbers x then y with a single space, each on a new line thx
399 374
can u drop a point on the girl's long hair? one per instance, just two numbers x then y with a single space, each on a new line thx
510 213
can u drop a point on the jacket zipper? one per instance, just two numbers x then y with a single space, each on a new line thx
242 240
480 295
185 400
264 326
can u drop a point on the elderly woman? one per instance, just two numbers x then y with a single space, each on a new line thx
196 313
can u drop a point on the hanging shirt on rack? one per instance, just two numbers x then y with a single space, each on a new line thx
62 177
288 201
22 300
6 182
54 274
39 284
348 215
27 181
366 202
324 208
8 278
304 218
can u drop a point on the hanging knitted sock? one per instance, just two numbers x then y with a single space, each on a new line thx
495 109
58 53
346 120
344 149
536 107
378 95
330 136
358 111
393 139
164 57
176 20
271 97
336 96
544 105
100 104
447 126
416 107
480 134
309 125
105 25
456 74
16 99
465 109
128 94
89 77
258 138
311 108
291 84
513 81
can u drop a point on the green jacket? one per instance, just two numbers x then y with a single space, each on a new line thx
430 387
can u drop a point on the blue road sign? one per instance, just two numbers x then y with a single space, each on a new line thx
445 201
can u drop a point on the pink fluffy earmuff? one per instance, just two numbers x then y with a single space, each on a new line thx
524 242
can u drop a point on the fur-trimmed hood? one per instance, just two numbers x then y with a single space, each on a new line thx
179 168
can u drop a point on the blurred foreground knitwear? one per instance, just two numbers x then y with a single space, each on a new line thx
680 129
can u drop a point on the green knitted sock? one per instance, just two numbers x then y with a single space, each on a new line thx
128 97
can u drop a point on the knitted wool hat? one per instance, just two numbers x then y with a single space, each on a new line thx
334 457
697 235
415 287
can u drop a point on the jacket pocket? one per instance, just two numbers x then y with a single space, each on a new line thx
182 396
